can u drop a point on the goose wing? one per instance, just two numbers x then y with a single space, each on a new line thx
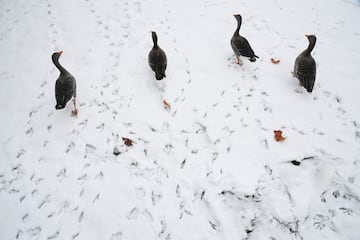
65 89
305 71
242 47
158 62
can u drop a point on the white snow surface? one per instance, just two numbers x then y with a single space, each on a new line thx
208 167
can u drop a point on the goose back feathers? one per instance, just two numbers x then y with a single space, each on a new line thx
305 66
240 44
157 59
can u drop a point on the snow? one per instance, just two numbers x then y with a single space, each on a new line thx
208 167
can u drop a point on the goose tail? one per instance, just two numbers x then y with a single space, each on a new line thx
253 59
159 75
309 84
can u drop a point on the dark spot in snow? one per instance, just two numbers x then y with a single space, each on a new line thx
296 162
116 151
213 225
336 194
202 195
183 163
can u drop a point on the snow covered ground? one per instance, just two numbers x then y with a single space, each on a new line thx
208 167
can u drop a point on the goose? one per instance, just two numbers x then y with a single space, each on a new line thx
305 66
157 59
65 86
240 45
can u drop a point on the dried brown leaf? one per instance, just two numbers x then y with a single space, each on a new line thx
275 61
278 136
166 104
127 141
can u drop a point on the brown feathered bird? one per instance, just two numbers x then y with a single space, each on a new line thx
305 66
157 59
240 45
65 86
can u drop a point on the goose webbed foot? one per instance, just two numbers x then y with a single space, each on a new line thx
74 113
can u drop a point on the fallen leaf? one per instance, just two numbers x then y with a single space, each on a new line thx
278 135
166 104
275 61
127 141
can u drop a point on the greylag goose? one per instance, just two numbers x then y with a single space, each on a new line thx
240 45
157 59
65 86
305 66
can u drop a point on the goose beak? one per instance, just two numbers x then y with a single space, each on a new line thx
60 52
307 36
